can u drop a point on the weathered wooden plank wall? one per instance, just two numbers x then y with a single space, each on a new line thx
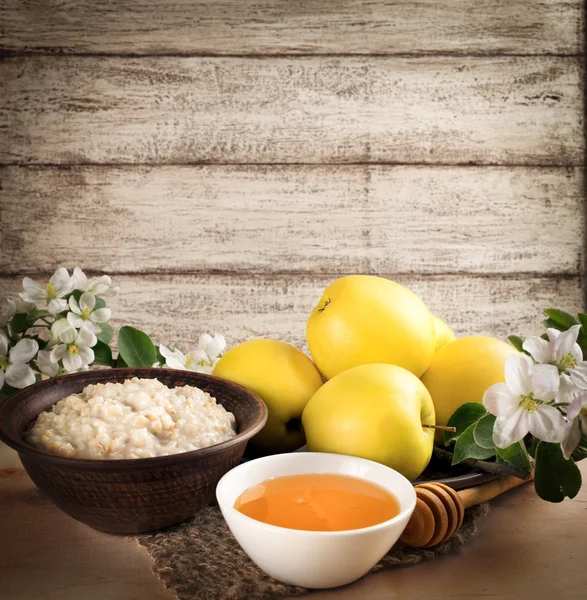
226 160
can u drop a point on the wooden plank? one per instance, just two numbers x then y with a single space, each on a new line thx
332 219
281 26
507 110
177 308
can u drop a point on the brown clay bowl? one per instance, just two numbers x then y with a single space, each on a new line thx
132 495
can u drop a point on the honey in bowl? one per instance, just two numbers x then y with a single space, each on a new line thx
318 502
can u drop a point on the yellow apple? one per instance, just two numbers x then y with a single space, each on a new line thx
444 334
364 319
376 412
461 371
285 379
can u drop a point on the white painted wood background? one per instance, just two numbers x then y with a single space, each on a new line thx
225 160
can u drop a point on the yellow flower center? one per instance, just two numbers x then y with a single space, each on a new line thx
4 363
86 314
204 363
528 403
566 363
73 349
50 289
189 361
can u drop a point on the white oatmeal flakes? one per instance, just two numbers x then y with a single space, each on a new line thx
139 418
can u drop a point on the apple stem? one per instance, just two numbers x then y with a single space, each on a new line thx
440 427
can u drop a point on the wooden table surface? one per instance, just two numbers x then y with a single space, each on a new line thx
527 548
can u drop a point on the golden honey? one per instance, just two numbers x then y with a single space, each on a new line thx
318 502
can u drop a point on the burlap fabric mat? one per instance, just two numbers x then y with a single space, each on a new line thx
201 560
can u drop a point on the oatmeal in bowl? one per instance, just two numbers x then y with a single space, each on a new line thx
138 418
76 437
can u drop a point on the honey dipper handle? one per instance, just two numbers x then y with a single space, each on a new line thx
487 491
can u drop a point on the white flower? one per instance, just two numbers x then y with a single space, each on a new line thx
562 351
76 350
577 417
200 360
212 346
53 292
83 312
46 365
99 286
520 403
61 331
14 369
16 307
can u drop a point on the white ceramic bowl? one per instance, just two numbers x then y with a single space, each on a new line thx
314 559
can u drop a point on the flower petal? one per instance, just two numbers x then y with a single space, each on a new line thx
539 349
509 430
203 369
24 351
72 362
74 320
101 315
74 305
9 312
517 374
571 439
545 381
85 337
46 365
575 406
32 288
86 354
579 375
20 376
567 390
57 305
216 346
565 341
58 352
173 359
3 344
80 280
204 341
200 356
62 282
499 401
87 300
547 424
101 285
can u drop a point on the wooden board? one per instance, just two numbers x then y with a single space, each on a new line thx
434 110
282 26
178 308
297 219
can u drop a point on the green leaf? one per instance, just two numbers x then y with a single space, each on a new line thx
106 333
562 320
465 415
466 447
554 477
120 362
515 455
136 347
19 323
580 451
100 303
102 354
483 432
516 341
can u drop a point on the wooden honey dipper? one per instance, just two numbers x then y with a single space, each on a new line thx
440 510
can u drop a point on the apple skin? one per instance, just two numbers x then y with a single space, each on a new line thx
284 378
363 319
376 412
